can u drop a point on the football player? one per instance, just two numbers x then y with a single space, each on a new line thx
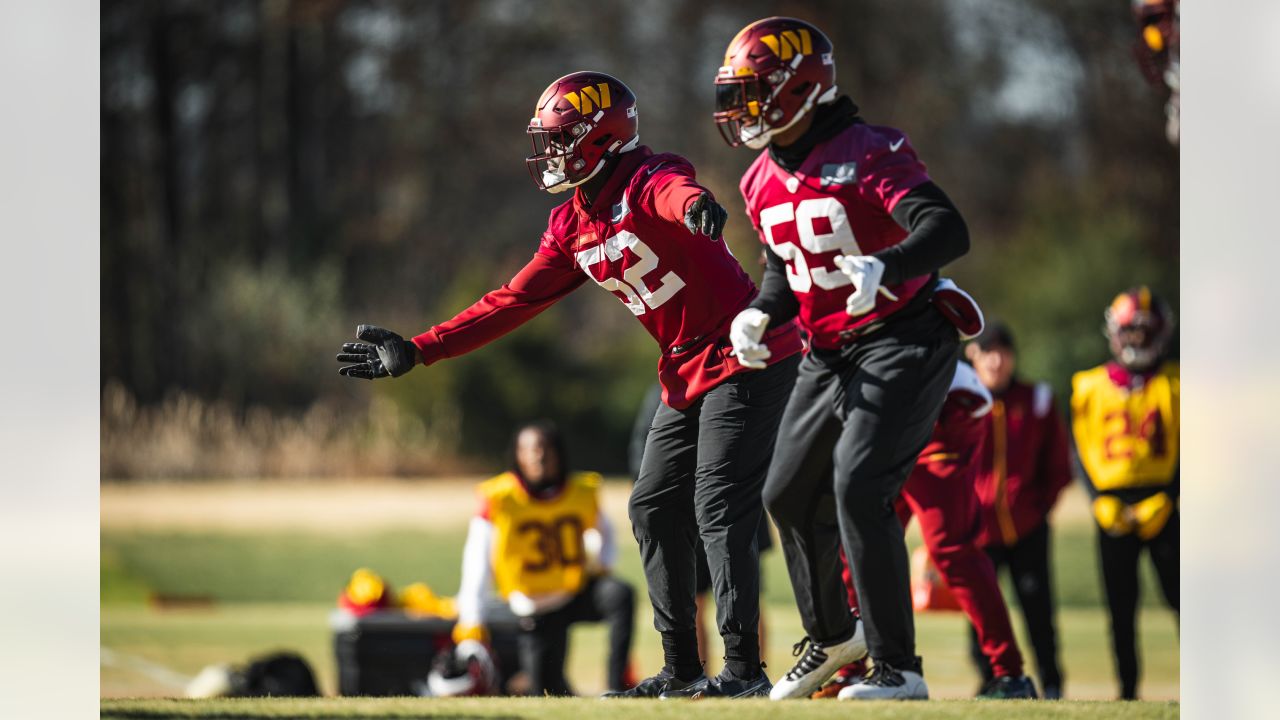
639 225
854 234
1157 50
541 542
940 493
1124 420
1024 466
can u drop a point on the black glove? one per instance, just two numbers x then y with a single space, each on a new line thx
706 216
389 354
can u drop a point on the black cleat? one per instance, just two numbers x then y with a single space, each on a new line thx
1009 688
725 685
657 686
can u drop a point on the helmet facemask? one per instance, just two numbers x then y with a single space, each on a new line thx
556 163
1138 338
747 111
739 109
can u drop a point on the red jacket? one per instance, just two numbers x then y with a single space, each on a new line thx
1025 463
684 288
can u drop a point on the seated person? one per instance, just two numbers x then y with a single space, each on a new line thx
541 541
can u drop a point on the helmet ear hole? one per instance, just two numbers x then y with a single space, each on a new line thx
603 140
802 88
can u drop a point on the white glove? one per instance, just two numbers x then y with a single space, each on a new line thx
745 333
521 605
468 649
525 606
592 547
865 271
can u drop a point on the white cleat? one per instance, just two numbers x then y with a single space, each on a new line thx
885 682
819 663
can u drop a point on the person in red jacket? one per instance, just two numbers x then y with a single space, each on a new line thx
1024 467
640 226
940 493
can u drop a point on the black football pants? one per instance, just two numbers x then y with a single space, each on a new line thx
854 424
1120 557
700 478
544 646
1028 563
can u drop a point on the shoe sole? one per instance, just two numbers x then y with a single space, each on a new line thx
906 695
796 693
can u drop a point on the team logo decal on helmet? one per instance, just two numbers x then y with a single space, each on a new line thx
774 71
1138 326
581 121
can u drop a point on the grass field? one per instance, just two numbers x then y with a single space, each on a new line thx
271 558
555 709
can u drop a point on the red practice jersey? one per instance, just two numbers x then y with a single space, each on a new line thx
684 288
838 202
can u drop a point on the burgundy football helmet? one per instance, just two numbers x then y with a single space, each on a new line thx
1138 327
774 71
1157 52
581 121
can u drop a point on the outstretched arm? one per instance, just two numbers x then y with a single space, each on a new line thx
548 277
676 196
539 284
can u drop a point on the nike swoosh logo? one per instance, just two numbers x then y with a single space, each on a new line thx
893 147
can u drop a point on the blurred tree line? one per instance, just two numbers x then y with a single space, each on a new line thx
276 171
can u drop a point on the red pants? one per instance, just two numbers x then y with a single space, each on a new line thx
941 493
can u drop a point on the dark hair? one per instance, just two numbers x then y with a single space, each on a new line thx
996 334
550 435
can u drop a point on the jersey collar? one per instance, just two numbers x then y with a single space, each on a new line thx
616 185
1125 378
544 495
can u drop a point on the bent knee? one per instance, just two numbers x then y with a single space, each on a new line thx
784 507
866 497
643 514
618 593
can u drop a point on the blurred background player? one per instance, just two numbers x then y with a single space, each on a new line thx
1158 51
1023 467
940 494
639 225
854 234
542 543
1125 423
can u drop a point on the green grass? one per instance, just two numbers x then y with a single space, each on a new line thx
187 640
274 590
269 566
539 708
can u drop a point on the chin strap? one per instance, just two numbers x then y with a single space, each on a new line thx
761 140
609 154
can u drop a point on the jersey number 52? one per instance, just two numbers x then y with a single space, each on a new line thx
637 295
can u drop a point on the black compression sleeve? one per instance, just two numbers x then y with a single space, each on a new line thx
775 296
938 235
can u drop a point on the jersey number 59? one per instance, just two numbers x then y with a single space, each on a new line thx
800 276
